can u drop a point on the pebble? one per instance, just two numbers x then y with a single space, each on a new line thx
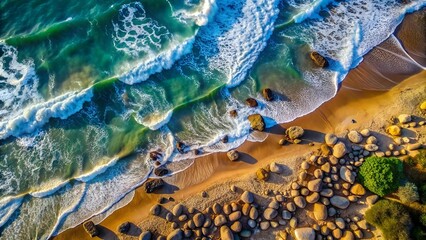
247 197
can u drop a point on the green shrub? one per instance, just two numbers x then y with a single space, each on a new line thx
391 218
422 193
423 219
418 159
381 175
408 193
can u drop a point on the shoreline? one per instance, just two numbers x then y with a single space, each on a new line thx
209 171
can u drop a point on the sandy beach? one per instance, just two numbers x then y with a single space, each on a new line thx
387 83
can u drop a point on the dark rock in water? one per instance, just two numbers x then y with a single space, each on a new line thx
267 94
124 227
153 184
161 171
319 60
91 228
155 155
256 122
157 163
180 147
233 113
251 102
197 152
225 139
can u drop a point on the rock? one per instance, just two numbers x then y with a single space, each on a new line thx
234 216
330 139
233 113
227 209
182 217
320 212
270 213
319 60
267 94
124 227
348 235
274 204
251 102
404 118
198 219
169 217
300 202
253 213
220 220
340 223
304 191
262 174
315 185
327 193
339 150
354 136
371 199
155 155
326 167
247 197
394 130
155 210
371 147
246 209
294 132
339 202
245 233
280 198
358 234
282 141
264 225
275 168
256 122
337 233
90 228
325 150
313 198
332 211
362 224
358 189
318 173
177 210
423 105
286 215
175 235
251 223
204 194
414 146
153 184
180 146
371 140
291 207
236 227
233 188
217 209
305 233
147 235
232 155
225 139
347 175
293 222
365 132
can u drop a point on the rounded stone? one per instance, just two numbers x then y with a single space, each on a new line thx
270 213
339 202
313 198
247 197
330 139
339 150
354 136
220 220
300 201
234 216
226 233
315 185
320 212
177 210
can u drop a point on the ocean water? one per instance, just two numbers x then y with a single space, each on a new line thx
89 88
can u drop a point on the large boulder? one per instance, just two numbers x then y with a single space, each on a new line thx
339 150
339 202
226 233
247 197
330 139
320 211
319 60
251 102
91 228
347 175
256 122
305 233
267 94
233 155
394 130
153 184
354 136
175 235
294 132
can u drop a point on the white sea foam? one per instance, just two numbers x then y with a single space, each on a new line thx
202 14
48 189
97 170
34 116
8 206
310 9
157 63
156 121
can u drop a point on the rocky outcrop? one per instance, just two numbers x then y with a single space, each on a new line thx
153 184
91 228
256 122
267 94
319 60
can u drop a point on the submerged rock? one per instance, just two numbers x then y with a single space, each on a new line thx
91 228
233 113
180 146
256 122
155 155
251 102
319 60
267 94
161 171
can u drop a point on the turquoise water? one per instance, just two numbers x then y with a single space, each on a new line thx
89 88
